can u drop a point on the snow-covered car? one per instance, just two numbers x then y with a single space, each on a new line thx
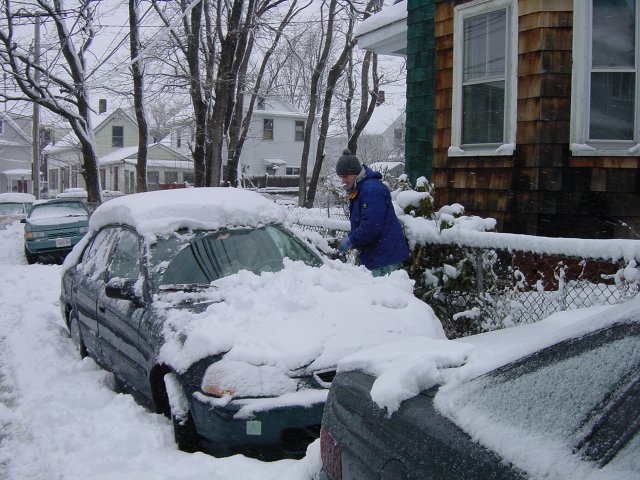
14 206
53 227
209 309
559 399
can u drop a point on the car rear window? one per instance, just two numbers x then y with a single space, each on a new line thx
556 397
54 210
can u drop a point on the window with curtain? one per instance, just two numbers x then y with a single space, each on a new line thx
484 78
267 129
605 117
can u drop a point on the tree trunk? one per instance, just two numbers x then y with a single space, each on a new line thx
137 72
315 82
224 85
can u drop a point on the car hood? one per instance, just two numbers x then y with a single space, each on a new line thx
301 318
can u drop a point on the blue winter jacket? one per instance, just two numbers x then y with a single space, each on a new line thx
375 230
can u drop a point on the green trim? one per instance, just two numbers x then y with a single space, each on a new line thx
421 87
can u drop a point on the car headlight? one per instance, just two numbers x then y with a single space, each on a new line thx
83 229
240 379
30 235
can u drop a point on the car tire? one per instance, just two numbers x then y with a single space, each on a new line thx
76 334
31 258
184 429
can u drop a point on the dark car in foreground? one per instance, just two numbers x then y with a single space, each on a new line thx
570 409
54 227
209 309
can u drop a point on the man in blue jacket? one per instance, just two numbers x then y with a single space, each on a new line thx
375 230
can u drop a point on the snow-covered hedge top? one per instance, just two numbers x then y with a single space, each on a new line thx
165 211
470 232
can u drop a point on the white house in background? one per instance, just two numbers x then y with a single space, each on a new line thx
15 153
274 141
382 139
165 168
117 146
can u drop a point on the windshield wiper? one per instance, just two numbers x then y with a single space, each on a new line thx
184 287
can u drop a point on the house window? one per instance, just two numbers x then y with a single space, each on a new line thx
398 137
117 136
260 103
267 129
116 179
153 176
604 111
178 139
292 171
129 182
189 177
299 134
170 177
484 78
65 178
53 179
103 179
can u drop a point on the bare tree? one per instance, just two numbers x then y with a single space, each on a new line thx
314 94
241 120
60 86
137 71
332 79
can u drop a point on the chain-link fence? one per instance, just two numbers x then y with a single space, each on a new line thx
479 289
475 289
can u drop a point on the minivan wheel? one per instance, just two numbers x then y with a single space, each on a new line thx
184 429
76 334
31 258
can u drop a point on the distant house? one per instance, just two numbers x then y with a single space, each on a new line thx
382 140
274 141
117 147
525 111
15 153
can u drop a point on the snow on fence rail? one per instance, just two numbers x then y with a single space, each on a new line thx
477 280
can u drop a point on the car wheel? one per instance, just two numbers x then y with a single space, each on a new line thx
184 429
76 334
31 258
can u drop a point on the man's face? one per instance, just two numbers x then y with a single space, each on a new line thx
347 181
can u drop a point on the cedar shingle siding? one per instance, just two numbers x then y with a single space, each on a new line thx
541 189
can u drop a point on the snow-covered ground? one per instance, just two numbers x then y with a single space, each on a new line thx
60 418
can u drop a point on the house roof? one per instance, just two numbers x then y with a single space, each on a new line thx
128 155
9 118
386 31
70 140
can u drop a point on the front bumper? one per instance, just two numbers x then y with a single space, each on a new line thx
283 432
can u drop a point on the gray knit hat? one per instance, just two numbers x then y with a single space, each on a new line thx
348 164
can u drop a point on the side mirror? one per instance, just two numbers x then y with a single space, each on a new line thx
23 220
124 289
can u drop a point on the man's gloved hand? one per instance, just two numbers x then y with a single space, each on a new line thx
345 244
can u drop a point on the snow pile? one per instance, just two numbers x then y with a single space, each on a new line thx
299 318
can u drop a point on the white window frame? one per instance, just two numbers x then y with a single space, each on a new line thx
461 13
581 145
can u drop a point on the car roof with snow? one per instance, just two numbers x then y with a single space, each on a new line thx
206 208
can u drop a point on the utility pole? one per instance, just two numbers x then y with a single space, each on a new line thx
35 175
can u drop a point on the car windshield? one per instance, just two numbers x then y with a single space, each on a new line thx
191 258
10 208
59 209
